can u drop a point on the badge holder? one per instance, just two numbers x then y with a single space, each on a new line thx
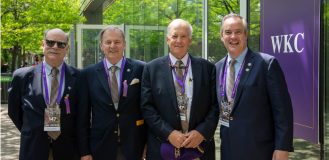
52 118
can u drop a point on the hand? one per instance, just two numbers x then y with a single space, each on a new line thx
193 139
280 155
176 138
87 157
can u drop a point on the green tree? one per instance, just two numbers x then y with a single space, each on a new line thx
160 13
23 23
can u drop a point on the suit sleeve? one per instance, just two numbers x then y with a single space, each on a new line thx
83 114
208 127
150 113
281 107
15 111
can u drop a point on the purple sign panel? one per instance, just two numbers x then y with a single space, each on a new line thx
290 32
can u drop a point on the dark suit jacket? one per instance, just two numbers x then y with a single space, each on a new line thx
98 119
262 118
26 106
159 104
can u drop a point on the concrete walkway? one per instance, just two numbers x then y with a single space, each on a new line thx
10 138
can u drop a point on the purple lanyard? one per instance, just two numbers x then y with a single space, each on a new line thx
181 82
46 84
236 82
121 73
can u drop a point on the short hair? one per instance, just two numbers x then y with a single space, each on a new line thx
58 29
111 28
234 15
180 21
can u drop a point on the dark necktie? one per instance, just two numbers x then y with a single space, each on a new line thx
230 80
53 97
182 109
114 86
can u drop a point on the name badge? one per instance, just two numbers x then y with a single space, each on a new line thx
52 119
225 112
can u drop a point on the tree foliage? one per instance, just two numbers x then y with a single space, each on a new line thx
24 21
161 12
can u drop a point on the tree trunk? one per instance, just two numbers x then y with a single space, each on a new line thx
15 52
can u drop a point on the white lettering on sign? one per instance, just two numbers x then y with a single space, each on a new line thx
287 42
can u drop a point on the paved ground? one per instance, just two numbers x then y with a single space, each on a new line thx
10 142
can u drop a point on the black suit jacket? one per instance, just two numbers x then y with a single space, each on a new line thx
98 119
160 109
26 106
262 118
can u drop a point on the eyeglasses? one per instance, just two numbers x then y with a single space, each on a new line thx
51 43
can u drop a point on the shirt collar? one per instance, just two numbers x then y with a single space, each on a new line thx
173 59
109 64
49 68
240 58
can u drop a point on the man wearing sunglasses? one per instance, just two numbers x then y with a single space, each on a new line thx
42 103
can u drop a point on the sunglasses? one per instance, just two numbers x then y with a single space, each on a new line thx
51 43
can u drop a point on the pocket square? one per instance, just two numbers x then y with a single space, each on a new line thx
134 81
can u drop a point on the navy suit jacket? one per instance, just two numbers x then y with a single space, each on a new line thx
262 118
160 109
98 119
26 107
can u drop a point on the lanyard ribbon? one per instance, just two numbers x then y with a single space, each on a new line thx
121 73
236 82
181 82
46 84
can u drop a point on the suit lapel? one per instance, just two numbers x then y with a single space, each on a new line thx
197 79
219 76
101 75
249 61
196 72
126 76
169 81
37 87
69 80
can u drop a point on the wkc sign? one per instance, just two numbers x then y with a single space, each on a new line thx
292 36
288 43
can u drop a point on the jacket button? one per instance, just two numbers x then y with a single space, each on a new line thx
111 104
115 132
118 115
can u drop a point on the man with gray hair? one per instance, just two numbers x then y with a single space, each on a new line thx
179 101
110 121
256 115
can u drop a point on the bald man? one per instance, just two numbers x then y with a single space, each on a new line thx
42 103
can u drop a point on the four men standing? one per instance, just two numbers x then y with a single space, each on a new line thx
175 94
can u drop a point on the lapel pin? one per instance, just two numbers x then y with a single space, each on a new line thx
69 87
247 69
128 70
249 64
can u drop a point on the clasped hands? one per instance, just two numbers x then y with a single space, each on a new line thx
191 139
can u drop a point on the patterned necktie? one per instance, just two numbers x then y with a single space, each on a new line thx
179 65
54 87
53 97
114 86
230 80
182 109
